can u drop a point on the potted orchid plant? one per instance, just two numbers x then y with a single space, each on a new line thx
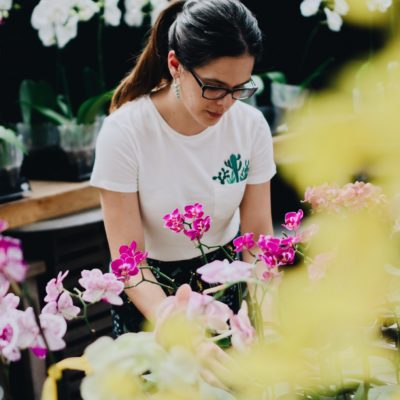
11 155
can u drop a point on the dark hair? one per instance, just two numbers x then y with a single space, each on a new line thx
199 31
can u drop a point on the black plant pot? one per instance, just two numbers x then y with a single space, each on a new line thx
62 153
12 185
53 163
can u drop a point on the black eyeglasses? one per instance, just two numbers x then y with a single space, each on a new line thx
211 92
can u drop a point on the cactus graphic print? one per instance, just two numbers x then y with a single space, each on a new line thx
234 170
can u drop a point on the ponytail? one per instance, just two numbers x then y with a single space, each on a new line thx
151 68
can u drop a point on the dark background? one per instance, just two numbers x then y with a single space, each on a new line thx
23 56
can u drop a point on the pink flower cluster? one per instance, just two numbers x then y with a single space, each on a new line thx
12 265
19 330
213 313
352 196
127 264
275 252
59 302
191 222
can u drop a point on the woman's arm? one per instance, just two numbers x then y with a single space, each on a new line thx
255 213
123 224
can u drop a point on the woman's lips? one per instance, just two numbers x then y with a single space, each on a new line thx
214 115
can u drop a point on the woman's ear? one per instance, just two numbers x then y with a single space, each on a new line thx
173 64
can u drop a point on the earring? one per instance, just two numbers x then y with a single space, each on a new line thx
176 88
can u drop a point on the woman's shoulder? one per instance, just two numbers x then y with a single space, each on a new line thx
130 112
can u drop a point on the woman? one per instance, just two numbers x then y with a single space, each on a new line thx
177 135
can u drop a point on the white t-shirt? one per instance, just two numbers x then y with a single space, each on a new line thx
137 151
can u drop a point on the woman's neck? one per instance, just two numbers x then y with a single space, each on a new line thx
173 111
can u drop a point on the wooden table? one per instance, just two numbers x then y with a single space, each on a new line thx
48 200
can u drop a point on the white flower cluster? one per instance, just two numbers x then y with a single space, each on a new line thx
335 10
5 7
57 20
134 14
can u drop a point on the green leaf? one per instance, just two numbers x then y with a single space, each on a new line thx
52 115
92 107
276 76
316 73
9 136
35 93
62 105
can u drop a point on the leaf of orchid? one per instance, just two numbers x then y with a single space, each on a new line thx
52 115
276 76
38 93
11 138
317 72
93 107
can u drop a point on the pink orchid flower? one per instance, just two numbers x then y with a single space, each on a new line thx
99 286
199 227
243 332
128 263
245 241
8 303
55 287
54 328
12 265
293 220
194 211
174 221
276 252
64 306
223 271
9 332
125 267
214 313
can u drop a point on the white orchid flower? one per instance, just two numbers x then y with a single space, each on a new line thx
134 15
5 5
85 9
333 19
379 5
64 33
309 7
57 20
112 14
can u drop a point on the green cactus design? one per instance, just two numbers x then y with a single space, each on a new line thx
222 176
237 172
235 165
245 170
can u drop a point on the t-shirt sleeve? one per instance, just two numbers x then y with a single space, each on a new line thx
115 166
262 166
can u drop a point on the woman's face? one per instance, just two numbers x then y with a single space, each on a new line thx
224 72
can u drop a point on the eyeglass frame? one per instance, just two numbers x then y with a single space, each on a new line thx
204 87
